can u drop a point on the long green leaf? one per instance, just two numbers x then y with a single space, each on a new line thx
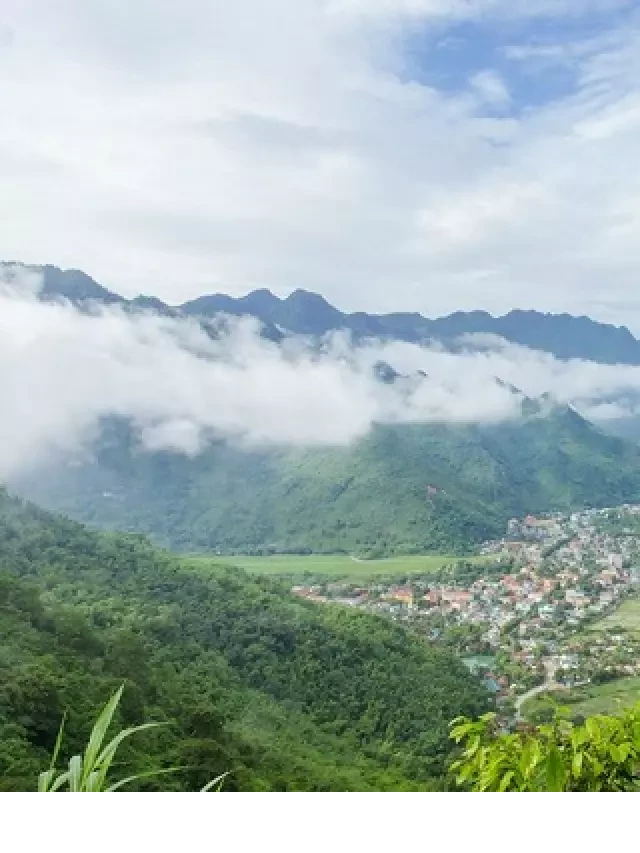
99 731
76 776
108 753
44 779
58 744
217 781
145 775
113 744
92 783
555 775
60 781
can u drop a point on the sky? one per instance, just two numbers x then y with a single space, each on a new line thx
415 155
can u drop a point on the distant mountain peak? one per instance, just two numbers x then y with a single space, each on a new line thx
508 386
71 284
261 299
308 313
385 373
308 297
151 304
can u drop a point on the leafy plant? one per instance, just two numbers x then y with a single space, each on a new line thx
88 772
603 754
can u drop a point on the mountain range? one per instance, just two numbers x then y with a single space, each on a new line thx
304 313
402 488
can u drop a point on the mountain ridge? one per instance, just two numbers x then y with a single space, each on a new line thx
303 312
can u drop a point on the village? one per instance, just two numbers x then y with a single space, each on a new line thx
520 614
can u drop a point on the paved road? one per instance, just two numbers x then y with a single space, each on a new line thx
548 685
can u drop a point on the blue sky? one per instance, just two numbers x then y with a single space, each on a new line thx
429 155
449 58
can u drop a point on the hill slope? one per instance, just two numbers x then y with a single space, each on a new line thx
400 489
289 695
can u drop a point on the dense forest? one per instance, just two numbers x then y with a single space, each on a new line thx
403 489
284 694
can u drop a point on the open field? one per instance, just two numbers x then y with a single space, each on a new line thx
335 566
593 698
626 616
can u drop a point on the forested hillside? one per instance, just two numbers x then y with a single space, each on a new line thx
285 694
411 488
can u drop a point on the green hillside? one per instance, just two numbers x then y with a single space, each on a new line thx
402 489
286 694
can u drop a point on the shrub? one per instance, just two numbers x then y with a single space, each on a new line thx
601 754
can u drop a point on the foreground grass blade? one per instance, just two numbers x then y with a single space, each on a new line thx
99 731
76 775
62 779
88 772
145 775
210 786
45 779
108 753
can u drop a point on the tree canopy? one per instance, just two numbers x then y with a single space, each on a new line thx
286 694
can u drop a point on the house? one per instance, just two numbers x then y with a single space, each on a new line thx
456 596
513 527
607 577
576 598
404 594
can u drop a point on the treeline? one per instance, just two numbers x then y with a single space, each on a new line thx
286 695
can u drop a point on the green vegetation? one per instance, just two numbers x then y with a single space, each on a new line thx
609 697
335 566
88 772
626 617
619 523
282 693
400 490
602 754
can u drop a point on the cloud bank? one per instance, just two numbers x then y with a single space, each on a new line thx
63 370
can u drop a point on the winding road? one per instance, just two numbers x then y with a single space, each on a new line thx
548 685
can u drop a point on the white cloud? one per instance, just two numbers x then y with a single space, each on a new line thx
490 87
176 148
62 371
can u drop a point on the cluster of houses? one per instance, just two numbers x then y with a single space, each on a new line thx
549 578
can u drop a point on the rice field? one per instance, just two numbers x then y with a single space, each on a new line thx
335 565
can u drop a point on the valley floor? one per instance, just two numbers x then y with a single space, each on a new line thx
552 606
341 566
